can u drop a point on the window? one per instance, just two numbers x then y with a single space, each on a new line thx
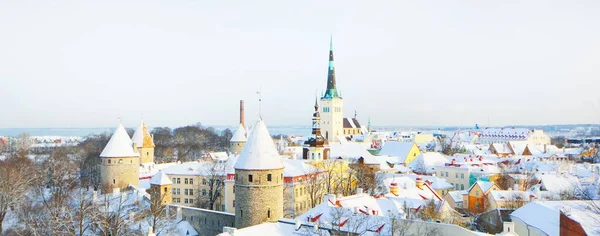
185 200
178 180
203 192
165 189
185 180
191 181
233 203
174 180
108 161
476 205
178 191
173 191
120 161
319 155
186 192
462 187
477 193
268 212
457 175
447 174
191 192
204 181
241 213
233 188
462 175
312 155
191 201
249 178
269 177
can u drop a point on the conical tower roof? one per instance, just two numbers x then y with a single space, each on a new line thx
260 152
119 145
160 178
239 135
142 137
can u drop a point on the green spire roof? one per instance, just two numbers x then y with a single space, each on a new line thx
331 91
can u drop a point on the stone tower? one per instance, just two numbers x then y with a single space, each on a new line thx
120 162
160 188
258 180
144 143
332 112
316 148
238 140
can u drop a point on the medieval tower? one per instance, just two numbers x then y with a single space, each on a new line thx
258 180
160 189
119 164
238 140
144 143
332 112
316 148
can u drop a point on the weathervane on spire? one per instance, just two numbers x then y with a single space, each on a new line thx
259 102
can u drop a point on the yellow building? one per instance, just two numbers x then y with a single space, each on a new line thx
476 199
120 161
193 183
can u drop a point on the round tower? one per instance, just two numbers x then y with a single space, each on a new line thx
258 180
238 140
119 164
160 189
144 143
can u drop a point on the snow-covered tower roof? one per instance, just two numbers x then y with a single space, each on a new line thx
260 152
239 135
142 137
160 178
120 145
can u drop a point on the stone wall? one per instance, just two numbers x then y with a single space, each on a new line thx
206 222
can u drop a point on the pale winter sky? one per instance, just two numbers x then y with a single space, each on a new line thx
177 62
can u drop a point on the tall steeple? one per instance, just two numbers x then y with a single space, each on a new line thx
331 91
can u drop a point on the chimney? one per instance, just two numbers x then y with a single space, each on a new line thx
419 183
394 189
359 191
509 227
242 113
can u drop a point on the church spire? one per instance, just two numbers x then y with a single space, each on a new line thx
331 91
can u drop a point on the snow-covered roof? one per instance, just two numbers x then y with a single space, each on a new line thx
298 167
142 137
349 150
185 228
433 181
505 133
559 183
484 185
457 196
240 134
510 195
196 168
545 215
120 145
160 179
260 152
394 148
425 162
408 188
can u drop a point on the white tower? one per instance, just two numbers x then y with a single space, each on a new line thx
332 105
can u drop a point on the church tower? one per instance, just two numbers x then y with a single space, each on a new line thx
316 148
258 180
119 162
160 189
332 111
144 143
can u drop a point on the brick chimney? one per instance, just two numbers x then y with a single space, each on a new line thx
242 113
419 183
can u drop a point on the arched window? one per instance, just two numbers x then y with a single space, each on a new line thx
268 212
269 177
249 178
165 189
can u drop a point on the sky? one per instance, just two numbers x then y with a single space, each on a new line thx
177 62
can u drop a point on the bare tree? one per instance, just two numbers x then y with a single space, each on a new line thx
116 216
213 177
156 213
15 181
315 186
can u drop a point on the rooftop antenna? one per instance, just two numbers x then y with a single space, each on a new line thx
259 102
